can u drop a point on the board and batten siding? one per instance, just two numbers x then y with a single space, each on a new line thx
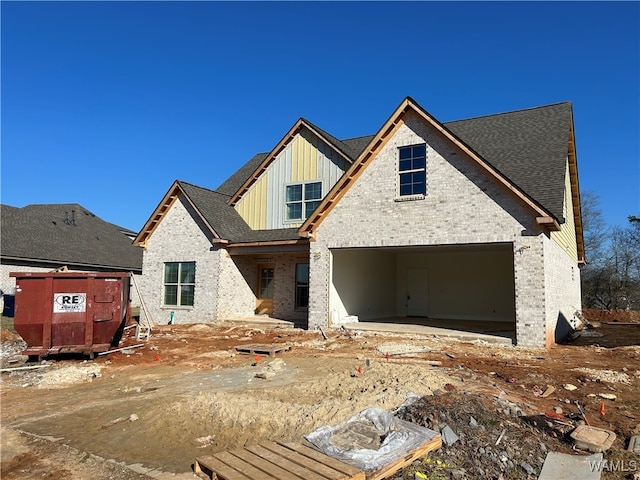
253 206
566 236
305 159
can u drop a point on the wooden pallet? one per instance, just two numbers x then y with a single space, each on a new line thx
407 459
275 461
263 349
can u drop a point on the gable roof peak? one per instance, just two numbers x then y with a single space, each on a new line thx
343 148
259 167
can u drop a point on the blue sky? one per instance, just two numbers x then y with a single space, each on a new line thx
107 103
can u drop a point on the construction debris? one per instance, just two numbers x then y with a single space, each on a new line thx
29 367
607 396
593 439
375 441
550 389
399 349
270 349
570 467
449 437
132 418
127 350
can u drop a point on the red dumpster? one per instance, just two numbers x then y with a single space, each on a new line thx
70 312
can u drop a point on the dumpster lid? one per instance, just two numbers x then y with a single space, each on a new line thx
69 274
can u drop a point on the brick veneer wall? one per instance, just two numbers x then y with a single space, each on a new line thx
562 291
225 285
180 238
462 206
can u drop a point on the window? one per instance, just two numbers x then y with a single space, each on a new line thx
412 168
179 283
266 282
302 285
302 199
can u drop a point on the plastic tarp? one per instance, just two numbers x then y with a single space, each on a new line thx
371 439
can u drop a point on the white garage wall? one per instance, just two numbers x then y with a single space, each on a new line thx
471 284
363 283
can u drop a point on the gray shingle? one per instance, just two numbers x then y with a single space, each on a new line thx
226 221
529 147
270 235
357 144
232 184
66 234
213 206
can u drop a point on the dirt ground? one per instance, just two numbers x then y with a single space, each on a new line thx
148 412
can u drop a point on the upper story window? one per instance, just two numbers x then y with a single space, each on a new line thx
179 283
302 199
412 170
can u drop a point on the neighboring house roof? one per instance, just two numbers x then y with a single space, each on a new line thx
66 234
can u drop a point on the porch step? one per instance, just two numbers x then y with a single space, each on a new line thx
260 320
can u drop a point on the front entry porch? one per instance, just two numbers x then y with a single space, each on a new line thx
276 285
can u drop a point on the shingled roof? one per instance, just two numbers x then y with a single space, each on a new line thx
226 221
212 205
528 147
66 234
235 181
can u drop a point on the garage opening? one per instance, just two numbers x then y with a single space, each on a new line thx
463 287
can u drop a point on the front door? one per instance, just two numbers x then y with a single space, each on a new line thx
264 300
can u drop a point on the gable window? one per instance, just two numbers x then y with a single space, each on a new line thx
179 283
412 170
302 285
301 199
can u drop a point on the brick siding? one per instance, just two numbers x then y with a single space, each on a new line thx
463 205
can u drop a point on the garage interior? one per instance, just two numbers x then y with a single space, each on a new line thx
466 288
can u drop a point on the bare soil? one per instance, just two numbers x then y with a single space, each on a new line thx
149 412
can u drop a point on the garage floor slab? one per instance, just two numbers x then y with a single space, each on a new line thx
495 332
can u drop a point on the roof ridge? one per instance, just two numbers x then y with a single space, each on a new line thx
356 138
182 182
508 112
53 205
